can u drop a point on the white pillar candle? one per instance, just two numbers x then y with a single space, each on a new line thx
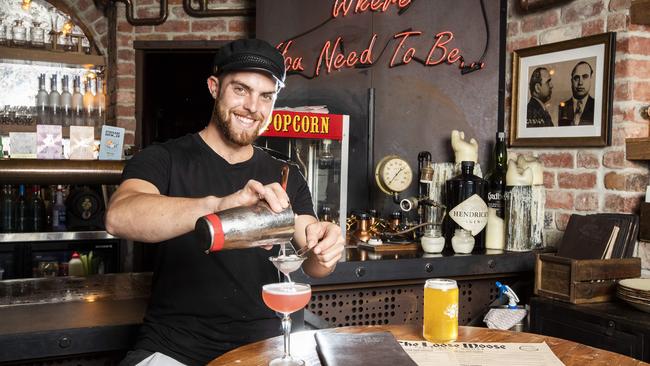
532 163
495 235
518 177
463 150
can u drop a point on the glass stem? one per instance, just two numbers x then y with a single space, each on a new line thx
286 328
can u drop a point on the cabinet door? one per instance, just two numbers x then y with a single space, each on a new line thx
562 321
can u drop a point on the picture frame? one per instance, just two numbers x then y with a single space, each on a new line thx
562 93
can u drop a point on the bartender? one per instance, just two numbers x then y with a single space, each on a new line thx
203 305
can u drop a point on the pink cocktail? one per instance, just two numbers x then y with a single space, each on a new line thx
286 298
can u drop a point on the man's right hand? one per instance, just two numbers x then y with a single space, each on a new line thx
254 192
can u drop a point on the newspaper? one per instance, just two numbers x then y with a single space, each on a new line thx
484 354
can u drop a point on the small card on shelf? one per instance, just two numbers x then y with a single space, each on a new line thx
82 142
49 142
22 145
110 147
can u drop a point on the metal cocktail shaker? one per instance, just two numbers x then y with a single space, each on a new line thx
244 227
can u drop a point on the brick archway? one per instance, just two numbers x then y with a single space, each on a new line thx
89 18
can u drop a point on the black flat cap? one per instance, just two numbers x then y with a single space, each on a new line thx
250 54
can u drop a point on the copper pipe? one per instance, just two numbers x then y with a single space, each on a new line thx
204 12
532 5
145 21
33 171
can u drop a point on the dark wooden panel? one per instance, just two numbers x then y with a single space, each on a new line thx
613 326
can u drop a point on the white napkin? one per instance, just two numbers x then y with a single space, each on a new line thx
159 359
504 318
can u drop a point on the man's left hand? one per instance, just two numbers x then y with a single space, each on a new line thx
326 242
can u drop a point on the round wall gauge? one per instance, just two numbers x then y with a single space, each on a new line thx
393 174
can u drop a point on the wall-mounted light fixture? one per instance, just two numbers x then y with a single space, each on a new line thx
645 112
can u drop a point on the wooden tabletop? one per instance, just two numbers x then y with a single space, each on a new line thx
303 346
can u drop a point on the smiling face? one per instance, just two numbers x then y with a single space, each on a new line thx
243 106
581 80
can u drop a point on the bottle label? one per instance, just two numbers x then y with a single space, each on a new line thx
496 200
471 214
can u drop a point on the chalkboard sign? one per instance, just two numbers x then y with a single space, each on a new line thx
407 72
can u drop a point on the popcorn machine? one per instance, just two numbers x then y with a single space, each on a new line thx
318 144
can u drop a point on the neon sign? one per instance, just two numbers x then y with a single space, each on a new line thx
332 57
365 5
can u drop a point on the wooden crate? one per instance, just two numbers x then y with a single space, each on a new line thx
582 281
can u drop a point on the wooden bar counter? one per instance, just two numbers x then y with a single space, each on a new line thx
303 346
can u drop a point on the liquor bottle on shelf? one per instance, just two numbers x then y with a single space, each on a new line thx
58 211
42 101
37 35
77 103
466 196
496 177
496 180
66 102
54 102
21 213
89 104
100 102
75 266
18 33
37 210
3 33
7 210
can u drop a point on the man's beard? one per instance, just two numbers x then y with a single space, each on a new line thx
224 124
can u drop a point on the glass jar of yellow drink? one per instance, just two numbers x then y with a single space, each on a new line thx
440 310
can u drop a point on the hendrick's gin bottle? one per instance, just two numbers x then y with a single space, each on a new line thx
466 205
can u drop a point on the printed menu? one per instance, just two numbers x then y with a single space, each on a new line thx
485 354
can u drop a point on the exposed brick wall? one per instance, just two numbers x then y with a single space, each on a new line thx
93 21
179 26
592 180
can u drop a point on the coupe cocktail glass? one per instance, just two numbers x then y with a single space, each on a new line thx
286 298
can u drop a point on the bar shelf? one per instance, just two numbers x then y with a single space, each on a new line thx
6 238
49 57
40 171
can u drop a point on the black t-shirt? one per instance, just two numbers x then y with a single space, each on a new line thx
203 305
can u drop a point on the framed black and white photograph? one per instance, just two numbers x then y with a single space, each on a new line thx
562 93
